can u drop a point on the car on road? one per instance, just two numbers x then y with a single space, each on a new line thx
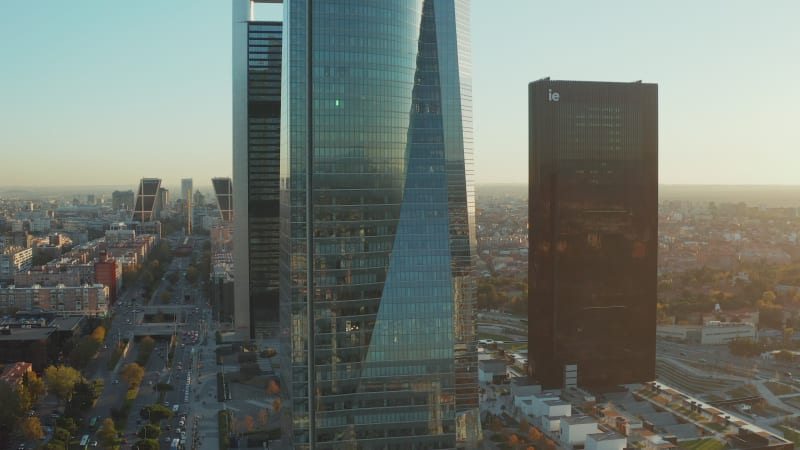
93 444
115 382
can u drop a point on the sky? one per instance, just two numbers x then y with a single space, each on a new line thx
104 93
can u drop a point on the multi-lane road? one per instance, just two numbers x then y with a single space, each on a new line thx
191 325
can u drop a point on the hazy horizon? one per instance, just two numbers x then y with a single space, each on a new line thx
754 195
116 91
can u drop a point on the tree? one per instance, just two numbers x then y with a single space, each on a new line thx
61 434
132 374
146 444
263 418
149 431
770 315
33 385
165 296
276 405
67 424
31 428
524 426
83 352
84 395
108 433
534 434
249 423
272 387
155 413
191 274
10 411
61 381
99 334
54 444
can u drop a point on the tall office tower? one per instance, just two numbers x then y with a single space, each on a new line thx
162 203
122 200
186 189
223 190
146 198
377 222
256 160
186 195
593 217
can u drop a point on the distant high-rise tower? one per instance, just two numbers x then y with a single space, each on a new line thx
146 198
256 158
186 189
186 195
594 229
223 190
162 202
377 226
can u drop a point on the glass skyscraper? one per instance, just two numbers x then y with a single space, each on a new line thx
257 50
146 200
594 230
377 226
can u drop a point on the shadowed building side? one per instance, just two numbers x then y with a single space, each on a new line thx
593 226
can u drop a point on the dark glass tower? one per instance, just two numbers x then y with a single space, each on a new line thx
223 191
377 259
257 124
146 200
593 225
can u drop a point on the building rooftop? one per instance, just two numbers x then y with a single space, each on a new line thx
607 436
578 420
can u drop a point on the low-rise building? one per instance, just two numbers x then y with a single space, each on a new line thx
491 370
14 260
574 430
74 300
14 374
610 440
715 332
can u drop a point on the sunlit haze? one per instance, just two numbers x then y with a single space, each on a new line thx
109 92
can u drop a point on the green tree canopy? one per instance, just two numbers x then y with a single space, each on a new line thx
155 413
132 374
84 351
108 433
149 431
31 428
33 385
61 381
146 444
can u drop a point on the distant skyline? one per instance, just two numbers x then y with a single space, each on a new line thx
106 93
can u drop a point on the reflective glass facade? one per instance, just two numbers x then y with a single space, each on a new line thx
593 231
263 162
146 199
257 122
390 227
223 191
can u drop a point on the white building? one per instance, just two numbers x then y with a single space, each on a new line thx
491 370
712 333
724 332
610 440
575 429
